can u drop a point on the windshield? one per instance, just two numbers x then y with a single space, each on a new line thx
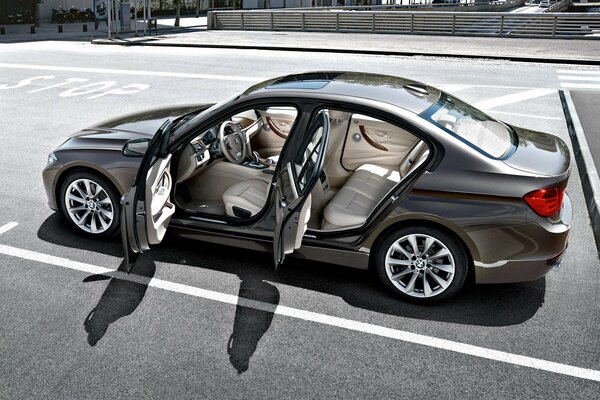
471 125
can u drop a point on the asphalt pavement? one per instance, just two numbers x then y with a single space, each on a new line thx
202 321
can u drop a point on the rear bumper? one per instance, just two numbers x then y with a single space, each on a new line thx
536 247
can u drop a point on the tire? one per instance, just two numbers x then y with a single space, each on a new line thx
90 199
424 275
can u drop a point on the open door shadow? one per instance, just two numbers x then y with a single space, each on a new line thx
478 305
120 299
251 322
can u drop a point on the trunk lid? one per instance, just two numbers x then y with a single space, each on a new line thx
541 154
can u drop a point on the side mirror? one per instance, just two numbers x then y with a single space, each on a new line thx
136 147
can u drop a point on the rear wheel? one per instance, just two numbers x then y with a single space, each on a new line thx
421 264
90 204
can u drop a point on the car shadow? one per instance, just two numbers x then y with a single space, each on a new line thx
482 305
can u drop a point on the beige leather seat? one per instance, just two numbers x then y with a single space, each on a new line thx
245 199
354 202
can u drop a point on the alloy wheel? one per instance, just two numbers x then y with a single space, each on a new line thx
89 206
420 266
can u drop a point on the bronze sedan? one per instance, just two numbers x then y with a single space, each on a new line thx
362 170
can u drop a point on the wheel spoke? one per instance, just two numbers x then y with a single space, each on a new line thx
443 283
98 191
93 223
444 267
401 249
442 253
75 209
81 220
426 287
71 196
88 189
396 277
412 239
428 243
410 287
78 189
103 222
106 213
394 261
105 200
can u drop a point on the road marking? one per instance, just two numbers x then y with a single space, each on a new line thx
526 115
452 88
513 98
130 72
580 85
7 227
489 86
568 71
310 316
580 78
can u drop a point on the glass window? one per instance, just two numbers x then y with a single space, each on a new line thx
471 125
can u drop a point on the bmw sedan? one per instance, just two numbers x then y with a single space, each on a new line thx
362 170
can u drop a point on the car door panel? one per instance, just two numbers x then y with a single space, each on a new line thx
371 141
277 123
158 188
293 186
146 208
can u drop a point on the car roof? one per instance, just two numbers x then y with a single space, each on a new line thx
405 93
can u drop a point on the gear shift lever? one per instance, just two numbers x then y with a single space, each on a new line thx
256 157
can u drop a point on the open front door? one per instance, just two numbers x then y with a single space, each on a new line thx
293 186
146 209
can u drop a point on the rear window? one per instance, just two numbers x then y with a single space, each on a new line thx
472 126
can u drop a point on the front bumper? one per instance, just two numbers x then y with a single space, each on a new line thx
49 177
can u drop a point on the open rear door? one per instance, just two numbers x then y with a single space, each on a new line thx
146 209
293 186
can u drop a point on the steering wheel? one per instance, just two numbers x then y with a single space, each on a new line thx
232 143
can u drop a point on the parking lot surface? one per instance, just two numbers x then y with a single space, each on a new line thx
198 320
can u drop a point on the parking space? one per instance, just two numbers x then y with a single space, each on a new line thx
206 320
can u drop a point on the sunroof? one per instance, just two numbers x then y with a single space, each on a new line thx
314 85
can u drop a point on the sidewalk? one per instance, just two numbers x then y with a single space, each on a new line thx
193 33
536 50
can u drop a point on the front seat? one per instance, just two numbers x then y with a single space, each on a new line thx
245 199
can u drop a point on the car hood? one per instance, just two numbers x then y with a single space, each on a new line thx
540 153
115 132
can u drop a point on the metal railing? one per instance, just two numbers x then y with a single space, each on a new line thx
462 5
560 25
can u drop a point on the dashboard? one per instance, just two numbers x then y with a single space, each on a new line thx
205 147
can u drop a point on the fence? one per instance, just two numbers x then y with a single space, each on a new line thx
560 25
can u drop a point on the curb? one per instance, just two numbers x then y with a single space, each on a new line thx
587 170
349 51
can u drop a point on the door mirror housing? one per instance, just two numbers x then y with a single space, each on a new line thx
136 147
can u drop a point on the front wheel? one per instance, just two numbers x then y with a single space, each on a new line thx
421 264
90 205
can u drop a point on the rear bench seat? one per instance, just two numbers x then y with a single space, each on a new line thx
353 203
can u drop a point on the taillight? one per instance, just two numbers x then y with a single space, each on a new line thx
545 202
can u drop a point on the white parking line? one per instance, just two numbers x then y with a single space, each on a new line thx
130 72
7 227
570 85
526 115
569 71
310 316
513 98
579 78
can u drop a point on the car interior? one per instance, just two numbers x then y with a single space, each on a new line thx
228 169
